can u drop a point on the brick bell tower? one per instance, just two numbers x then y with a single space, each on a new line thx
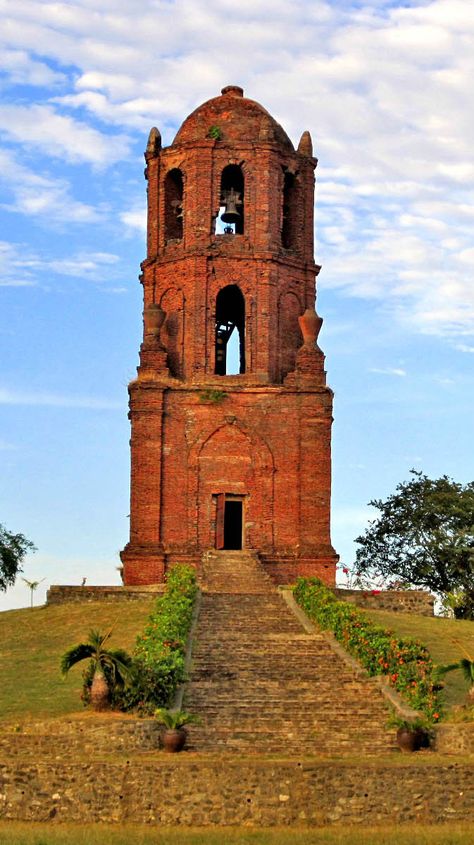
230 412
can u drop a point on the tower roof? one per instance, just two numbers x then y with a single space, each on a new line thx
237 118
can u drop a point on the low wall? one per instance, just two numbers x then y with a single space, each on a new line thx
419 602
165 790
60 594
455 738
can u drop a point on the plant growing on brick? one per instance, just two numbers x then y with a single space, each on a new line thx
108 668
212 395
406 663
158 662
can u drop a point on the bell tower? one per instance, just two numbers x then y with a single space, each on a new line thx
230 412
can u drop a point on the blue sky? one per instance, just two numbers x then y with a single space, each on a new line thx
386 91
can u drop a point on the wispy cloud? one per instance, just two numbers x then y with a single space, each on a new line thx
60 136
12 397
41 196
388 371
464 347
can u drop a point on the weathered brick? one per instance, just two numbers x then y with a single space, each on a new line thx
263 435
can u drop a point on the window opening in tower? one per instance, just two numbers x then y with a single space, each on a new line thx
230 220
174 205
230 318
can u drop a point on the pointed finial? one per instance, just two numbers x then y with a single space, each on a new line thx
305 146
154 141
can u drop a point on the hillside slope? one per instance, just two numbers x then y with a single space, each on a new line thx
445 638
33 640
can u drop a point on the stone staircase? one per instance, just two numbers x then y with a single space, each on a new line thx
261 684
233 572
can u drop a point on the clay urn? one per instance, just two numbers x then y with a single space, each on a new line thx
310 325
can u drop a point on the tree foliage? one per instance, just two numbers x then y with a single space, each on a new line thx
424 537
13 549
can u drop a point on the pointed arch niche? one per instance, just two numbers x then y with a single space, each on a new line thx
172 333
289 332
238 463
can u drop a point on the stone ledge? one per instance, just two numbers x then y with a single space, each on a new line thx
418 602
61 594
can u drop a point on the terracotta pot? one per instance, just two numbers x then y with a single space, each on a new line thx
173 740
409 740
153 317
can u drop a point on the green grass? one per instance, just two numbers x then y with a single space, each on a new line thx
444 638
33 641
12 833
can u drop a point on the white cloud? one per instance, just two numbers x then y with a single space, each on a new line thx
388 371
383 87
464 347
135 219
41 196
22 69
60 136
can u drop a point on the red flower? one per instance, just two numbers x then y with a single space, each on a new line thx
376 592
345 570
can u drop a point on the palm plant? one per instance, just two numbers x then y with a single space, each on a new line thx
33 585
174 719
466 665
114 663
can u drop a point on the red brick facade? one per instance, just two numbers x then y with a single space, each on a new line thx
226 460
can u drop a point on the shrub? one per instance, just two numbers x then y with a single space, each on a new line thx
406 663
158 661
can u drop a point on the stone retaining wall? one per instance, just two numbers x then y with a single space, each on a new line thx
455 738
418 602
165 790
60 594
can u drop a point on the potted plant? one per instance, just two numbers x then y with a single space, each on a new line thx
412 734
174 721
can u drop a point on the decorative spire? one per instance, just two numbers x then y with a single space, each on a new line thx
153 146
305 146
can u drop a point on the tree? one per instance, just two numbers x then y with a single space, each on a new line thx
114 663
13 548
33 585
423 537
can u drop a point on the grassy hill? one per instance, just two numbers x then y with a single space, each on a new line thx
445 638
33 640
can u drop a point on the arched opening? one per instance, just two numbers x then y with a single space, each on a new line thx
174 205
230 318
289 226
231 204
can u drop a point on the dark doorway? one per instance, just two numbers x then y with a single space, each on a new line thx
233 524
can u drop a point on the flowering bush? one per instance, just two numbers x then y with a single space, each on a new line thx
158 662
406 663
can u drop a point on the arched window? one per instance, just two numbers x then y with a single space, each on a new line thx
174 205
231 205
289 227
230 327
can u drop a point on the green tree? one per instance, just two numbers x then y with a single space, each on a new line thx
13 549
424 537
114 664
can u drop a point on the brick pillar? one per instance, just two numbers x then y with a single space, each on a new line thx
143 558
